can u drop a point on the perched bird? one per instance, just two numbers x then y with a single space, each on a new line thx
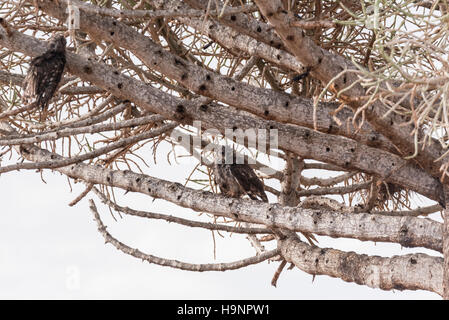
45 73
236 180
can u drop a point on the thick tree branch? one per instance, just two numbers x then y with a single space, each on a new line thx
407 272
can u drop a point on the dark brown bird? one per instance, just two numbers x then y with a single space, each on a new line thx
45 73
236 180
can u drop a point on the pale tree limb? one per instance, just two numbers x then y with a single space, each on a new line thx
334 190
67 132
445 279
326 182
155 14
181 221
413 213
407 272
175 263
54 163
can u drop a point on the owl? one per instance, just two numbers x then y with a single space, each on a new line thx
236 180
45 73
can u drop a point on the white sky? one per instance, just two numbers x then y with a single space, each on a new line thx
50 250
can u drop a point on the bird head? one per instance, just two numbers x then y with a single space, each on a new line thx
57 43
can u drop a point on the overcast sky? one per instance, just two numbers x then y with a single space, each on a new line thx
50 250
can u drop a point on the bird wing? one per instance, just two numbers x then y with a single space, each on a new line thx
32 80
249 181
43 78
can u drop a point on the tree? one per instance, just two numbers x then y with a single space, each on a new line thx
356 90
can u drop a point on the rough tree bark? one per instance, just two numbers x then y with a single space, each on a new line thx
363 105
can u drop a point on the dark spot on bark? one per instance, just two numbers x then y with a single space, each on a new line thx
158 52
344 79
114 23
320 59
233 18
234 128
352 149
202 87
184 76
413 261
266 113
271 127
120 85
290 37
316 260
282 10
270 14
178 197
87 69
307 134
232 88
108 179
404 239
180 108
349 266
149 190
328 149
393 164
52 156
398 286
204 107
347 163
208 77
116 73
211 26
315 222
112 33
138 180
178 62
278 57
322 251
259 29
